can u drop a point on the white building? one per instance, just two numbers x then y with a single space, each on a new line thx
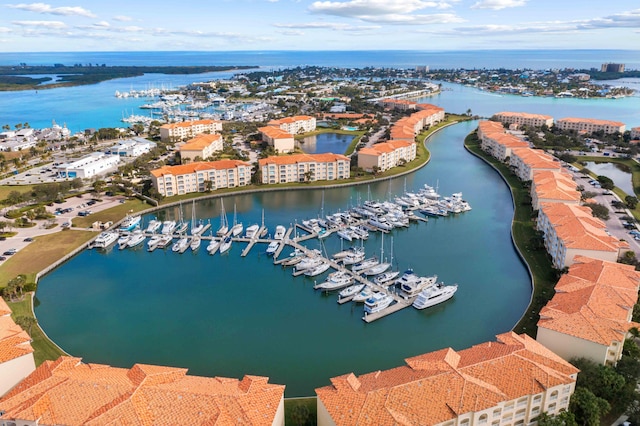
131 147
304 167
590 125
95 164
193 177
188 129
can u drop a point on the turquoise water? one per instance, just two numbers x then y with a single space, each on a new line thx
325 142
230 316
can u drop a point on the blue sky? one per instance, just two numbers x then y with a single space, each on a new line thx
219 25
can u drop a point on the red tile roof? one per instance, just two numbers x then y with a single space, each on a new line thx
200 142
14 342
187 124
275 132
302 158
198 166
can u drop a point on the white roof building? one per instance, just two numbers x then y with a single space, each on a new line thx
94 164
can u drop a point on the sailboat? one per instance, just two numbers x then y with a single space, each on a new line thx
196 228
237 228
264 228
380 267
224 226
386 278
181 226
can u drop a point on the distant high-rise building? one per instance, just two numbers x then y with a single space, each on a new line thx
612 68
422 68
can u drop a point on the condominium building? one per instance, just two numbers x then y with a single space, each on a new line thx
304 168
174 132
590 125
386 155
524 119
571 230
16 353
296 124
202 146
635 133
509 382
590 314
549 186
281 140
193 177
496 142
70 392
527 161
398 104
407 128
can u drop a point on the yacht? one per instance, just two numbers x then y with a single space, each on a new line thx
364 265
360 232
272 248
377 269
181 245
344 253
352 290
346 234
153 241
123 241
153 226
225 245
168 226
136 238
280 232
308 263
336 280
165 240
434 294
237 227
377 302
195 243
413 288
105 239
213 246
196 230
386 278
129 223
181 227
354 257
364 294
251 231
318 269
381 223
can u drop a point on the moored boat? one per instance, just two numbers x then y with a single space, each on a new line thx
136 238
336 280
280 232
168 226
318 269
272 248
105 239
434 294
351 290
377 302
225 245
129 223
364 294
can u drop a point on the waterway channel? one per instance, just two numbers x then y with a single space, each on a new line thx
230 316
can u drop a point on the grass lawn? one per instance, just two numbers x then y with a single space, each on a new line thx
42 252
297 410
6 189
524 235
43 347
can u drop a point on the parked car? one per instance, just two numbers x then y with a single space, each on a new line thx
28 240
10 252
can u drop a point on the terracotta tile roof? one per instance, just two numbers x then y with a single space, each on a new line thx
439 386
189 168
14 342
72 393
275 132
200 142
591 121
288 120
187 124
524 115
302 158
555 185
536 158
593 301
384 147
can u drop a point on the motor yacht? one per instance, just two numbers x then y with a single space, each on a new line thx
377 302
434 294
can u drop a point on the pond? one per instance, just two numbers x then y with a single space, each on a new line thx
325 142
615 172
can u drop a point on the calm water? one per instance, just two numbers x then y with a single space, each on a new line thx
621 178
325 142
229 316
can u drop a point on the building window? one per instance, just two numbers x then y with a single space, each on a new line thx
482 419
554 395
552 407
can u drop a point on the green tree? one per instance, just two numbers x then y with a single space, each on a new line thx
631 201
605 182
587 408
14 197
26 323
598 210
566 418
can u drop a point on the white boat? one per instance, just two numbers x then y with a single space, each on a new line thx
381 223
153 226
136 238
272 248
344 253
224 225
181 227
105 239
195 243
377 302
154 240
435 294
168 226
364 294
213 246
123 241
181 245
165 240
414 287
352 290
280 232
317 270
364 265
336 280
380 267
225 245
251 231
386 278
129 223
237 227
308 263
360 232
346 234
196 230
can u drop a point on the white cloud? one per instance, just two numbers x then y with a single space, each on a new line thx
122 18
438 18
55 25
328 25
291 33
48 9
358 8
5 30
498 4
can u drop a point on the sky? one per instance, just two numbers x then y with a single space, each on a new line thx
228 25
